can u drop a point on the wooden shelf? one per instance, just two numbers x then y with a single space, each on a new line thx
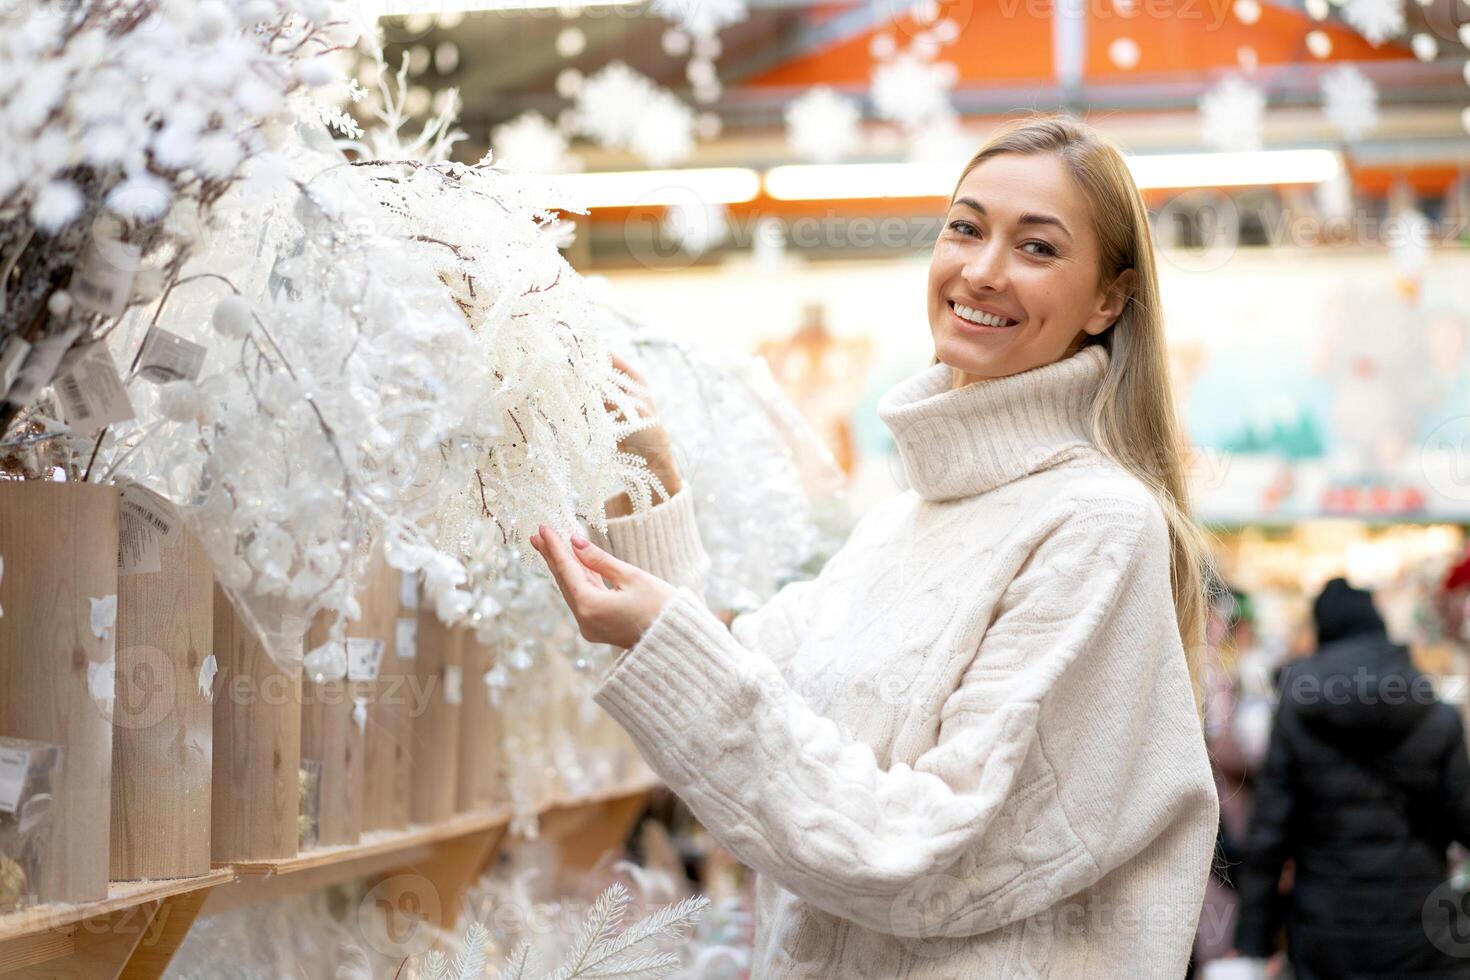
391 842
107 937
121 895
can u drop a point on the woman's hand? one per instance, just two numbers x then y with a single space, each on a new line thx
651 443
614 602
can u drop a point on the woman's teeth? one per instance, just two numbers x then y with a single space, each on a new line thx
982 319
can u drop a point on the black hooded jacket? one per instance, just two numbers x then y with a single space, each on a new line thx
1365 785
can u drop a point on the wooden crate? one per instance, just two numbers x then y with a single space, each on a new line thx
481 761
256 796
438 668
163 723
59 543
386 779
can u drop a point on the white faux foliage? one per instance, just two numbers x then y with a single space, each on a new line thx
599 950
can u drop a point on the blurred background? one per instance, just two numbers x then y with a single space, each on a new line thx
767 176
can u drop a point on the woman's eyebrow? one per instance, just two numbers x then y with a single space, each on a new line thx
1027 217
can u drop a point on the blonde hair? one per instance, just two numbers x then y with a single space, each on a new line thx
1133 416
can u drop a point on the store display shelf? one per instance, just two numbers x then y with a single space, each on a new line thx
121 895
389 842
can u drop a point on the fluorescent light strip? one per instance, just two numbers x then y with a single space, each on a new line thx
851 181
632 188
434 8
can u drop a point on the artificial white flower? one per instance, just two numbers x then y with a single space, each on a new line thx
232 317
56 205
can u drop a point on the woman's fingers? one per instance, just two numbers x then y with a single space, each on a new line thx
628 369
600 562
571 577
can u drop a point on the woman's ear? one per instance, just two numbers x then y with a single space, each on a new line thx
1114 299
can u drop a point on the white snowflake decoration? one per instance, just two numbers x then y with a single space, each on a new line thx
532 144
942 140
1376 20
1350 101
696 228
912 90
822 126
664 133
702 18
621 109
1232 115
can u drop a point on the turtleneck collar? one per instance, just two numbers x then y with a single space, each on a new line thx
962 442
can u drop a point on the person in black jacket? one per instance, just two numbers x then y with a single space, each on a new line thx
1364 786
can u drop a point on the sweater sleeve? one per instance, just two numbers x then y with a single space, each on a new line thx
663 541
1068 675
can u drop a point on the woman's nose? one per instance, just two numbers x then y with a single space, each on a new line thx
986 269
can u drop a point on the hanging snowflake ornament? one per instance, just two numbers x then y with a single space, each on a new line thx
1376 20
1232 115
531 144
822 126
696 228
912 90
1350 101
621 109
702 18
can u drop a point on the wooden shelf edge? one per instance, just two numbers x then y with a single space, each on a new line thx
379 843
128 894
121 895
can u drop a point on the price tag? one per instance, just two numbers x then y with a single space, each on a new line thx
103 280
408 590
14 764
168 357
153 510
364 655
137 545
92 393
406 638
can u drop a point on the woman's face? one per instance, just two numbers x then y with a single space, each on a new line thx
1013 283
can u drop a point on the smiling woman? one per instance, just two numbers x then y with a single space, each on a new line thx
970 747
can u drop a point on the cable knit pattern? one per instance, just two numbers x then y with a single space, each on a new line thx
968 748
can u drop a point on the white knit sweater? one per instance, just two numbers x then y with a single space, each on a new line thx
968 748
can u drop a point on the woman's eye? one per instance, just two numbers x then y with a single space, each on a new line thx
1041 248
963 227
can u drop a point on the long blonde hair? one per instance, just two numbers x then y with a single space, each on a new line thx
1133 416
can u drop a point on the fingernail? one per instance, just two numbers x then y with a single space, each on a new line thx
579 542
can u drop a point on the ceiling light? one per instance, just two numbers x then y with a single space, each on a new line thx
632 188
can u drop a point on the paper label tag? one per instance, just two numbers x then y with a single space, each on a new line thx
14 764
364 655
39 367
137 546
453 684
408 590
406 639
17 349
104 614
92 393
153 510
103 280
168 357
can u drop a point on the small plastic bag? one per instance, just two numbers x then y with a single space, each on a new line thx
28 772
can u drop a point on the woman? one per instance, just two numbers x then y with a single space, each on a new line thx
970 748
